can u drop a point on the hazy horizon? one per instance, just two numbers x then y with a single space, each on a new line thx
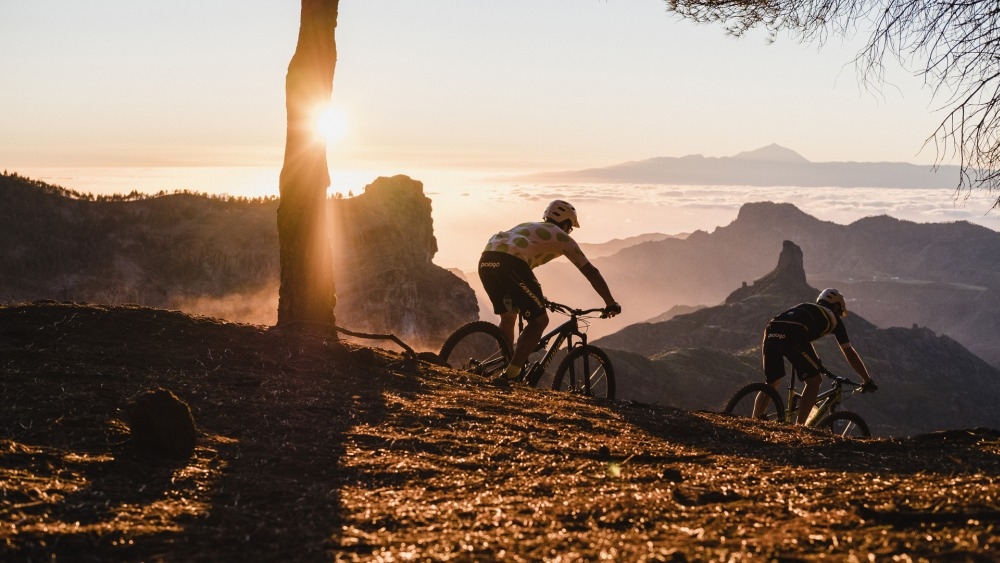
469 206
108 95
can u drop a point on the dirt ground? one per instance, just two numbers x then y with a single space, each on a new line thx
313 450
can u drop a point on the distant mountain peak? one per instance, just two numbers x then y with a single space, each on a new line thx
772 165
787 278
769 212
772 153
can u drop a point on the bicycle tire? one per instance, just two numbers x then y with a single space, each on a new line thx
742 402
846 424
591 362
478 347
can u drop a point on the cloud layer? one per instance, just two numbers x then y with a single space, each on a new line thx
610 211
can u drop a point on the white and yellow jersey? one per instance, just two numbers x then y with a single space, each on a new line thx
537 243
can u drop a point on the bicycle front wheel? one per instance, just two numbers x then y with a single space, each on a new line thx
846 424
587 370
478 347
743 400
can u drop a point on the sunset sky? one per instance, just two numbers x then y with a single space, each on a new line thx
525 85
111 96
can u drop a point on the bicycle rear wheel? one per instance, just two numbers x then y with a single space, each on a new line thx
478 347
846 424
582 365
742 402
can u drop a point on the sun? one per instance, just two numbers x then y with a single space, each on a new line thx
331 123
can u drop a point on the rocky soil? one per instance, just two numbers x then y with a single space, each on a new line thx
314 450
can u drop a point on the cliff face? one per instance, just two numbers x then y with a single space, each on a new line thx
383 244
787 278
735 326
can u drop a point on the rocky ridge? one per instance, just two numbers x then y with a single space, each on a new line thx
218 256
945 276
927 381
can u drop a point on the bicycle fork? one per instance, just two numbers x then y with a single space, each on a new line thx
585 376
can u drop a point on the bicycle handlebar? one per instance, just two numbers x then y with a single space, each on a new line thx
843 380
567 310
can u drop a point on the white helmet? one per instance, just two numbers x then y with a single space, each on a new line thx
559 211
833 299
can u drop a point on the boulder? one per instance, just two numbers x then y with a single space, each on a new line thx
162 425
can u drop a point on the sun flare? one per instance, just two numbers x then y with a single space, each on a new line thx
331 123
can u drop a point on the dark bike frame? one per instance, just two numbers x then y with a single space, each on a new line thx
563 333
826 401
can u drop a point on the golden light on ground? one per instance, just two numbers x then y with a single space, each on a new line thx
331 123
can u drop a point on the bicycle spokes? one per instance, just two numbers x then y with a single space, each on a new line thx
476 347
586 370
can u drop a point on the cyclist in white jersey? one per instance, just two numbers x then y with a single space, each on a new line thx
505 270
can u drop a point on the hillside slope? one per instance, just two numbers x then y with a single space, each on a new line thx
219 256
159 251
312 450
944 276
927 382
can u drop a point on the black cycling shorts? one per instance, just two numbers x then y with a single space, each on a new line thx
511 285
778 345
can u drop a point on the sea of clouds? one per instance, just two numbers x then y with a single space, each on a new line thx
616 211
469 206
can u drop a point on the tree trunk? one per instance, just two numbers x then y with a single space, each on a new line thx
307 293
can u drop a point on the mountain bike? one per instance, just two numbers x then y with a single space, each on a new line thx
480 347
825 413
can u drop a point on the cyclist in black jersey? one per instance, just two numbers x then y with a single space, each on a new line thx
790 335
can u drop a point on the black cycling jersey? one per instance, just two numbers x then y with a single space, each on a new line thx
790 335
809 321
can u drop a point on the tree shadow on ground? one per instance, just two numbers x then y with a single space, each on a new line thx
272 408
